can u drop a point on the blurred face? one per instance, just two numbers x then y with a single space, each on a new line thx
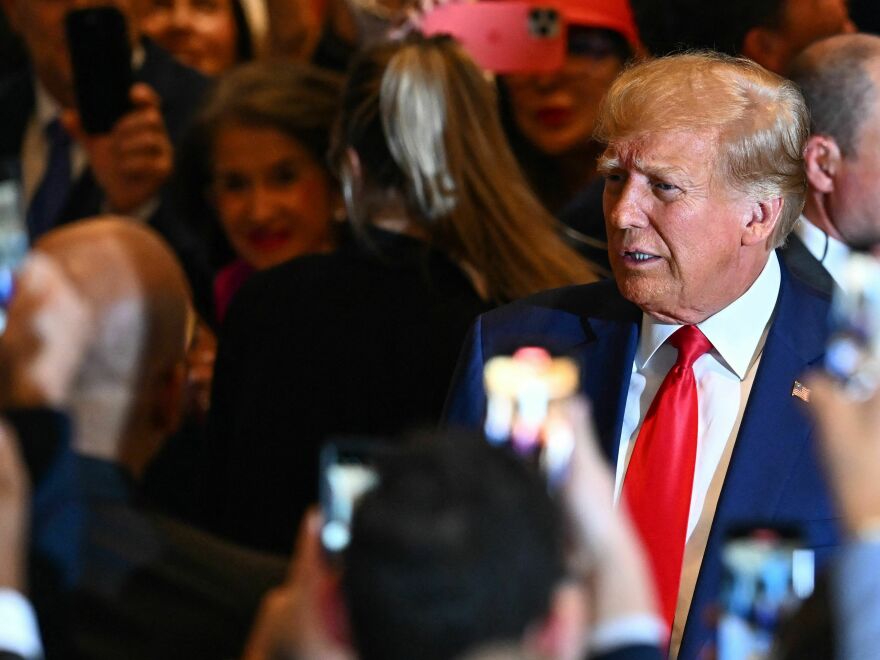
557 111
200 33
675 232
41 24
806 21
273 199
854 204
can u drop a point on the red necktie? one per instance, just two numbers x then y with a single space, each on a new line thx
660 475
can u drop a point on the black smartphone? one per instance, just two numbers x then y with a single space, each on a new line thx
100 54
349 469
767 572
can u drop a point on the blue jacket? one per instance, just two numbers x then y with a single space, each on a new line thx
774 475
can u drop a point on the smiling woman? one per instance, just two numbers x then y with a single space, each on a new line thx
250 176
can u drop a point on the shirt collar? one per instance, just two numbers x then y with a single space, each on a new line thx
830 252
47 109
735 331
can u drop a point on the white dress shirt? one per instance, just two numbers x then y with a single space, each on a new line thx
18 626
724 378
830 252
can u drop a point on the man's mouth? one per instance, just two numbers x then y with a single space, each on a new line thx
638 257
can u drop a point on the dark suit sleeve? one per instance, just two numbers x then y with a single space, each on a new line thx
466 401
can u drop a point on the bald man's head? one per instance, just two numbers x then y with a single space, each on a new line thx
139 299
840 80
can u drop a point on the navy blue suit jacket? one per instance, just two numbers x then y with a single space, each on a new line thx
773 476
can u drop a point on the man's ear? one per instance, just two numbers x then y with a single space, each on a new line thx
764 46
765 216
822 159
562 633
169 399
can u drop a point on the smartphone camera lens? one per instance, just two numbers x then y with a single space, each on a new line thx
543 23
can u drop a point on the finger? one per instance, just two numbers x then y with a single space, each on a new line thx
307 560
141 146
826 396
73 125
142 96
139 122
137 170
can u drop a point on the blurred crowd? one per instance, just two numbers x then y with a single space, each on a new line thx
311 222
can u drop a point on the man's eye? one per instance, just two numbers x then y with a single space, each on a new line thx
665 187
613 177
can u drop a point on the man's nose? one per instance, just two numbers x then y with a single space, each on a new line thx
624 207
547 80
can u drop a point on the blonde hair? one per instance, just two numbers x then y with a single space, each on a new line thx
424 121
760 120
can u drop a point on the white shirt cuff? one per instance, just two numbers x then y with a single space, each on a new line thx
637 629
19 633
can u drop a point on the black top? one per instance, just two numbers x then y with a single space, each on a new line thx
362 341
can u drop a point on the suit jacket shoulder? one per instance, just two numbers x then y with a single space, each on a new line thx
591 323
804 266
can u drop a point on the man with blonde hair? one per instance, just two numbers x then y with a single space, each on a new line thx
691 354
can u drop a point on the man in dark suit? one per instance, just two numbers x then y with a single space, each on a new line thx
142 585
691 355
67 174
840 80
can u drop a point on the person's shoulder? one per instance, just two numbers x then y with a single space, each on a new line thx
555 318
600 300
162 69
811 296
180 87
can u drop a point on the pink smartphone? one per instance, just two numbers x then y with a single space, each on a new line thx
503 36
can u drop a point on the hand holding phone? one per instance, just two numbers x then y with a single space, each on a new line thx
134 160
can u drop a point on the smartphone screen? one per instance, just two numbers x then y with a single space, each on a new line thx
853 352
767 572
349 469
520 390
13 234
100 54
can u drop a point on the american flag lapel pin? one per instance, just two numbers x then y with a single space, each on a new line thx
801 392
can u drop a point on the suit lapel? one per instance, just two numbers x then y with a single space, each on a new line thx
606 359
773 436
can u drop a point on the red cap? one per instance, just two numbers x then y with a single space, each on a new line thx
614 15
